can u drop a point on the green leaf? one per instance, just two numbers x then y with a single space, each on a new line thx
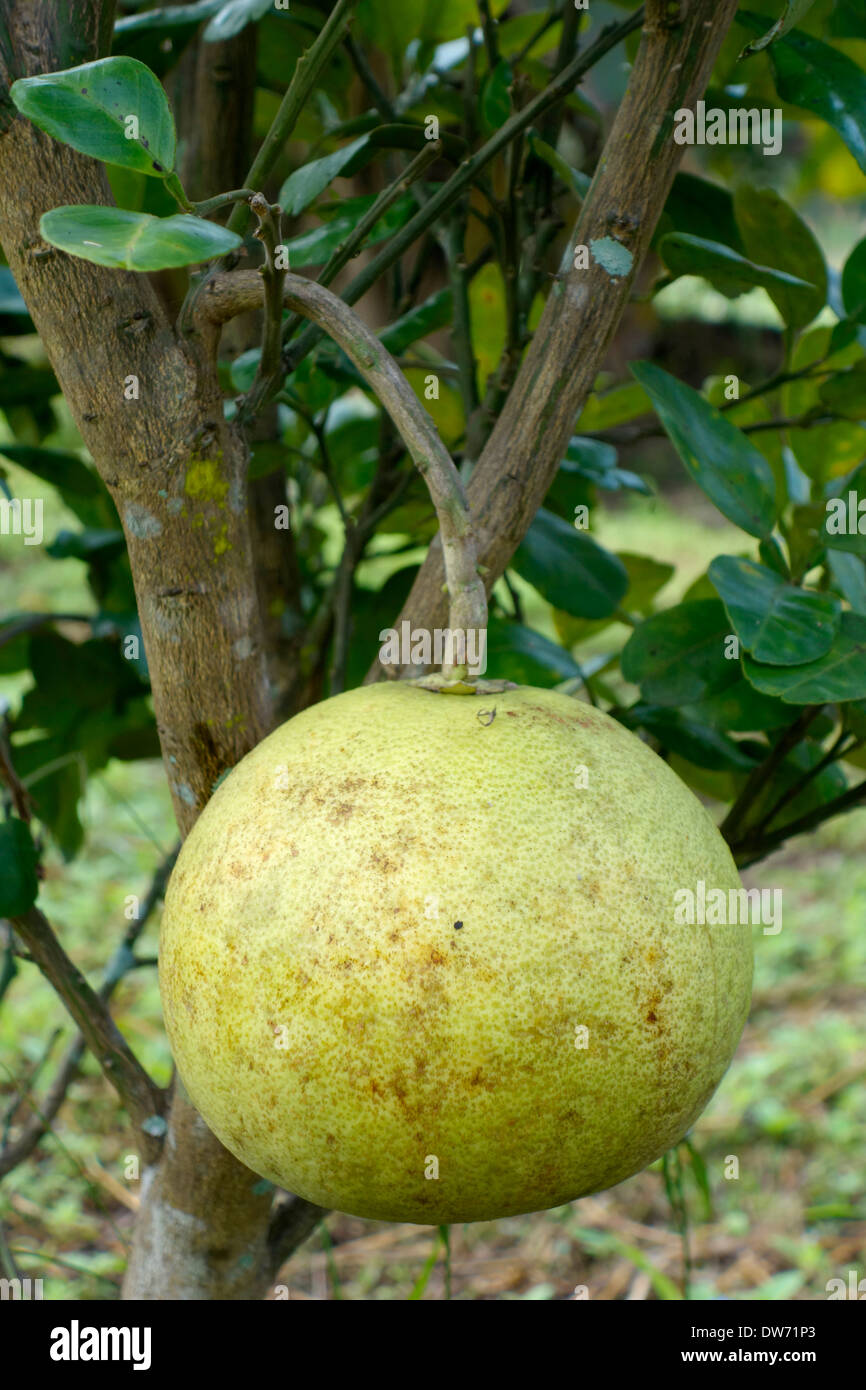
135 240
304 186
678 657
19 884
319 244
821 79
777 622
840 675
573 179
701 745
517 653
164 18
234 17
495 97
701 208
849 577
792 14
597 462
718 456
569 568
89 107
434 313
854 283
845 393
727 271
773 231
64 471
82 545
740 709
615 407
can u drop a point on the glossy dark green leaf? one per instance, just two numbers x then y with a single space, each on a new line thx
701 208
791 15
163 17
854 283
304 186
740 709
495 96
719 457
821 79
597 462
678 657
575 181
434 313
840 675
19 884
89 107
726 270
777 622
135 240
517 653
776 235
700 744
317 245
569 568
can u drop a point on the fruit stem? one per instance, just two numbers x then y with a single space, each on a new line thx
236 292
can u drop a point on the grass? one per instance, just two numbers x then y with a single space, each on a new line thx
788 1118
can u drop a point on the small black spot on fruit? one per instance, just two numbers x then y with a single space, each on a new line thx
457 926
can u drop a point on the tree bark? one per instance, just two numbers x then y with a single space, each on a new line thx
177 473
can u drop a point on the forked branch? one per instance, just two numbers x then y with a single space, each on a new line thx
237 292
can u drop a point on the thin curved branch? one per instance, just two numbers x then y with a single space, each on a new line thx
142 1097
292 1220
236 292
40 1120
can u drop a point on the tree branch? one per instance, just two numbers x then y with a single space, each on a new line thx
462 179
142 1097
628 192
304 78
236 292
121 962
292 1221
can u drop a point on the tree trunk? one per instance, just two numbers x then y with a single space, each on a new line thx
177 473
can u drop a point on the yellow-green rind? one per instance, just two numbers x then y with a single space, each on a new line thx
347 1040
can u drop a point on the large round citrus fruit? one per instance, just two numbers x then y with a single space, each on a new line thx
422 960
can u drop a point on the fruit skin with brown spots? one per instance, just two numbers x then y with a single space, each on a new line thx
339 1032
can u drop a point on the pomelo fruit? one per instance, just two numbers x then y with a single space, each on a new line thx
420 957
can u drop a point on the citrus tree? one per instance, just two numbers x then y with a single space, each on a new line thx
240 440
